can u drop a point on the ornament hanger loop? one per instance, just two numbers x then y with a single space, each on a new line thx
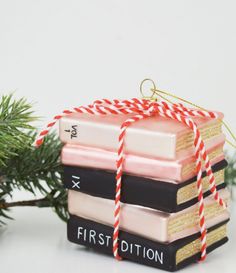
164 95
152 89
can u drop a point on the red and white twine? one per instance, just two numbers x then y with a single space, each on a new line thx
141 109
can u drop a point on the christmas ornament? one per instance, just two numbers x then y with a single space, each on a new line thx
132 151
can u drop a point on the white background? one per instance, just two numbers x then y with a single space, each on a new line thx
61 54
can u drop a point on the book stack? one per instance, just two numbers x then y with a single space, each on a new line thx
159 222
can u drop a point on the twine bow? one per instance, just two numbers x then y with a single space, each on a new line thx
141 109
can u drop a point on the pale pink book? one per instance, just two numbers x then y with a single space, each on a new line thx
174 171
156 137
146 222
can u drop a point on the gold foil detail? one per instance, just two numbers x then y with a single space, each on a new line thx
195 246
188 168
190 219
186 141
189 192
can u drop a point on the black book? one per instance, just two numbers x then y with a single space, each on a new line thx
170 257
165 196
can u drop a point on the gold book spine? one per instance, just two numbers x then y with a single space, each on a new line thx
186 141
190 191
191 219
188 168
195 246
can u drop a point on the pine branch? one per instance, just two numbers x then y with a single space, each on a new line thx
34 165
15 119
37 169
26 203
25 167
58 202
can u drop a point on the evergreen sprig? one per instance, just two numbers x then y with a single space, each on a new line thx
15 119
25 167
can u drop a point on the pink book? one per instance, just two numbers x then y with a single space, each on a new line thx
146 222
175 171
154 137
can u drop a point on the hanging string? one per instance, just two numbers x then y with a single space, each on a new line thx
164 94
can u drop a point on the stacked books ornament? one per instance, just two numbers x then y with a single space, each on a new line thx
159 218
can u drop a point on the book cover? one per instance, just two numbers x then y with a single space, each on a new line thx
160 195
149 223
155 137
170 257
170 170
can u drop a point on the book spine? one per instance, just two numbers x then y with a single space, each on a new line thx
88 157
93 134
138 249
179 171
158 195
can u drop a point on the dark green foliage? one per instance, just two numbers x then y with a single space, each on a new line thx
25 167
15 118
230 171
